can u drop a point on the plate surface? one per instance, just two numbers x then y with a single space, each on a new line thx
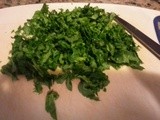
131 94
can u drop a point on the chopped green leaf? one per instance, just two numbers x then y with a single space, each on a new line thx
50 103
38 86
92 84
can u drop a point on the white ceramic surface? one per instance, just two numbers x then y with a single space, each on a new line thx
131 94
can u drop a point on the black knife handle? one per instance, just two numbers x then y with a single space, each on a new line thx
151 45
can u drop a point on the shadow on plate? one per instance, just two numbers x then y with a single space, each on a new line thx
150 81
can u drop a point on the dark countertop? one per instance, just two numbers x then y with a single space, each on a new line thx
151 4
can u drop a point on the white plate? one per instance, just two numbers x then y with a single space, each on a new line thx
131 94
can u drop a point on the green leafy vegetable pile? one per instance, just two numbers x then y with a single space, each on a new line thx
60 46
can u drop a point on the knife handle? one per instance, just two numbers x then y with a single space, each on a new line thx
156 23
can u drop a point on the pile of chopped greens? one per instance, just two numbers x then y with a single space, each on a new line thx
59 46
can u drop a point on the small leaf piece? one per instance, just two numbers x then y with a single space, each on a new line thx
38 87
50 103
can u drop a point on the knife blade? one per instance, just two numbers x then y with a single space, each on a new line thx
147 42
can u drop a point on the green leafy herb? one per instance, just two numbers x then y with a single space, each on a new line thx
91 84
38 86
50 103
61 46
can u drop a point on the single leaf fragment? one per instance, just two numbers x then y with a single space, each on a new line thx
50 103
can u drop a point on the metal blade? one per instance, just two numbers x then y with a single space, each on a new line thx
141 37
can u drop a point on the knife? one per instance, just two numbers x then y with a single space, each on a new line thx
156 23
151 45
